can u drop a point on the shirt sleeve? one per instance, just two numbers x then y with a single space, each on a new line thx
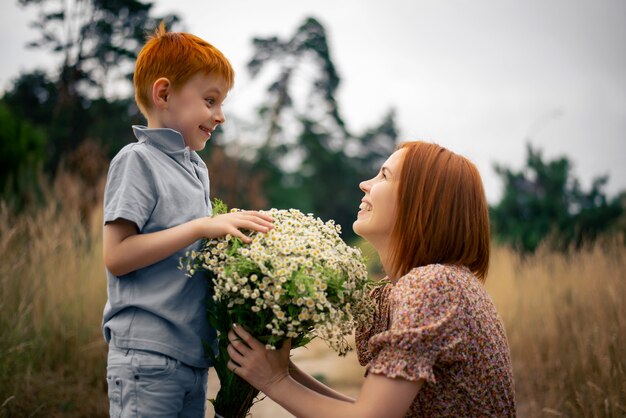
425 325
130 192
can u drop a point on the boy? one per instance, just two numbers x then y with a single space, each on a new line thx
157 207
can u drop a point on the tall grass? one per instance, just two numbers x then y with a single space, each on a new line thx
52 291
564 315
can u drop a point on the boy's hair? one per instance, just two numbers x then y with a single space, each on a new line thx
176 56
443 215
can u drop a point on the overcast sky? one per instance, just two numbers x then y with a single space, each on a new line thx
479 77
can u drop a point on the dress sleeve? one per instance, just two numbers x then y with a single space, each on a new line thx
425 325
130 192
363 334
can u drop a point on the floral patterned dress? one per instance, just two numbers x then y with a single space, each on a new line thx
438 323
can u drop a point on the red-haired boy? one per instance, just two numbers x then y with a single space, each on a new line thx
157 207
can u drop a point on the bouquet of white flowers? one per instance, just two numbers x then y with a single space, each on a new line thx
300 281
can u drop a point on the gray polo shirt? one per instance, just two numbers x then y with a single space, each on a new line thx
158 183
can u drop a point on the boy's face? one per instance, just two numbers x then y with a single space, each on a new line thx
195 109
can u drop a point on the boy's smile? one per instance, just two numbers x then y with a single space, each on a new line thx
193 109
207 131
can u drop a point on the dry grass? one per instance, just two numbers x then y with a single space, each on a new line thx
566 322
52 291
565 318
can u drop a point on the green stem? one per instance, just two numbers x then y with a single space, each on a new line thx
236 396
236 399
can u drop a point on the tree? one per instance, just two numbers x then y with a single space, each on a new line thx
307 47
544 201
33 97
97 42
308 159
22 154
374 146
329 179
96 39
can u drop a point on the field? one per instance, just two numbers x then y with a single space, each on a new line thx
565 318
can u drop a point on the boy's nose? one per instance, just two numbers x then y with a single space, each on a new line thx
219 116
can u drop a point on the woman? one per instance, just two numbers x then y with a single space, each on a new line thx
437 347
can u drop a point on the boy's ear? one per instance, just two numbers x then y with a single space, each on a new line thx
160 92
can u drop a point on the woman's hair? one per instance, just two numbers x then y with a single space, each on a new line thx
176 56
442 214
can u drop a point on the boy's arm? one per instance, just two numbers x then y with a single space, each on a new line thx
125 250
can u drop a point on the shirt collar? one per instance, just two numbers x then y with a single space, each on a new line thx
170 141
167 140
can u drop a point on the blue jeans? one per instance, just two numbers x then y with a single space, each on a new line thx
146 384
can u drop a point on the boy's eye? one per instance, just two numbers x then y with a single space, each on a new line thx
210 100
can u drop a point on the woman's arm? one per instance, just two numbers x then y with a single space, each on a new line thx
267 370
312 383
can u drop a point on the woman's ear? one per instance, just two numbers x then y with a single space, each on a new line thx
160 92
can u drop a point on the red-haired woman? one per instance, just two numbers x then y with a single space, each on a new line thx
437 347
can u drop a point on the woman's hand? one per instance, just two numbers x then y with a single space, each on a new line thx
267 370
250 360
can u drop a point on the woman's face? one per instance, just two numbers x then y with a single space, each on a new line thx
377 214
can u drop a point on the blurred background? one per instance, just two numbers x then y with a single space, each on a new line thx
533 92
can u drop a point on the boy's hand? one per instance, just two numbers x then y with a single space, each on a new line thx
232 223
125 250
